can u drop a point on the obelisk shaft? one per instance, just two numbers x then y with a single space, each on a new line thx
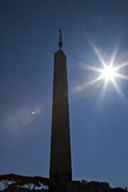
60 157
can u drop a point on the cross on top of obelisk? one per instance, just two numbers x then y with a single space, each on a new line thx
60 39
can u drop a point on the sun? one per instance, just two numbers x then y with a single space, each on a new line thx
108 73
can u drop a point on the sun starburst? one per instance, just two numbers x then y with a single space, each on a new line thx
109 73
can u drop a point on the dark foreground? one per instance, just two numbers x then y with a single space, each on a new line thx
18 183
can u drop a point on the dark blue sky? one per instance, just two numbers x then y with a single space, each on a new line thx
99 126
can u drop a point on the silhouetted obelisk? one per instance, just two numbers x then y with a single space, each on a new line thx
60 157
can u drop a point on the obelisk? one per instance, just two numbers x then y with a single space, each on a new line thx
60 156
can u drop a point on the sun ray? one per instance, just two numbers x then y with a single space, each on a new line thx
122 65
100 77
113 57
99 56
82 87
92 68
121 76
117 88
104 88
